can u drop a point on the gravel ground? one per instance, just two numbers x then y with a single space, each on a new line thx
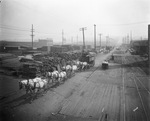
92 95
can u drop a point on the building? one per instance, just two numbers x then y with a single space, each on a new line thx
36 44
140 46
18 47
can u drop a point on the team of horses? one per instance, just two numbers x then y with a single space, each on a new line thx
32 86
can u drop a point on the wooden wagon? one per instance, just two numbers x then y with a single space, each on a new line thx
105 64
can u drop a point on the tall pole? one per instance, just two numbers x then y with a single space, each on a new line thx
100 40
127 38
106 41
83 39
77 39
130 36
82 29
32 30
94 36
72 40
62 37
108 44
149 48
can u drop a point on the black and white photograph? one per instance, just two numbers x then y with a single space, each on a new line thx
74 60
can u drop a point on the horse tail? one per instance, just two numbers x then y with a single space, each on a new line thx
27 81
34 86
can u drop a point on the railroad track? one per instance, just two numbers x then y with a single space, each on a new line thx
123 93
135 79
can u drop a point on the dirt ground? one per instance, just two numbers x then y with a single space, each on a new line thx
120 93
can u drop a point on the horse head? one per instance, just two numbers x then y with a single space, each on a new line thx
48 74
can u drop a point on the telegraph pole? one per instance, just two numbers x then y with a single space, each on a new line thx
77 39
82 29
72 40
127 38
62 37
149 49
100 40
106 40
32 30
95 37
130 36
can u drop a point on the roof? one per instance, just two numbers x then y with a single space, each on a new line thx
140 43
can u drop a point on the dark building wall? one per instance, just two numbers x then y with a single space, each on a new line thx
141 47
37 44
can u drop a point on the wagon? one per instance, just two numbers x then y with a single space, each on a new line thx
105 64
88 57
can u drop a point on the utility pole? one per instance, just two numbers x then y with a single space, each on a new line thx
127 38
131 36
77 39
149 49
82 29
106 40
100 40
95 37
32 30
72 40
62 37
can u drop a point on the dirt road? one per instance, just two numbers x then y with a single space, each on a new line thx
120 93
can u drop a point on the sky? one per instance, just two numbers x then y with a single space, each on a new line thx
113 18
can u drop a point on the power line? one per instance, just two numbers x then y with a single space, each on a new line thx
13 34
46 33
10 26
21 29
124 24
13 29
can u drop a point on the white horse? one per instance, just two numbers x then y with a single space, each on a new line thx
62 76
67 67
28 84
23 84
36 85
76 62
52 75
84 65
68 70
40 84
32 84
74 68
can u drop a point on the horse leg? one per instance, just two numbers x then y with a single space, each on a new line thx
73 73
26 95
27 92
52 81
33 95
48 80
59 80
